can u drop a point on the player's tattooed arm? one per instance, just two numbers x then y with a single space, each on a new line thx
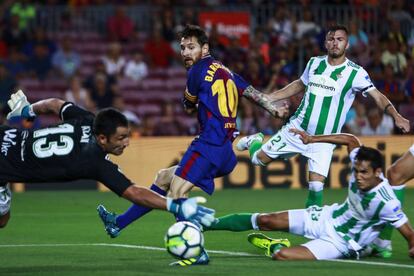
264 101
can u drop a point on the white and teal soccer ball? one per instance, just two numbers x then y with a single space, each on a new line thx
184 240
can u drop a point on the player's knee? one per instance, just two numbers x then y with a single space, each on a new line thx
393 176
282 255
265 222
256 160
164 177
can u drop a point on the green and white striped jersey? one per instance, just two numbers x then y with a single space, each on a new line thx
363 214
330 92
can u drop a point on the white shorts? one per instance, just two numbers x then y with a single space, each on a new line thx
313 223
412 149
5 199
285 144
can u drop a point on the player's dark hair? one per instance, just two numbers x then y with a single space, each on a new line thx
107 120
196 31
372 155
335 28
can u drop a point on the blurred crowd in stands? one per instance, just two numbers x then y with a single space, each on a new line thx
94 80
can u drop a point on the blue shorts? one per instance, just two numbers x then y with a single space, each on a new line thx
202 163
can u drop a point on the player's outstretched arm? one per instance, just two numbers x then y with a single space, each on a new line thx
407 232
384 104
48 106
349 140
188 208
289 90
265 102
20 106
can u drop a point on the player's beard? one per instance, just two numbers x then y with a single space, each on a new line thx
188 62
338 54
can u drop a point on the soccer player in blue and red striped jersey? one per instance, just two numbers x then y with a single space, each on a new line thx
213 91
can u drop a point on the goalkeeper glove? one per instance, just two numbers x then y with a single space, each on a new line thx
20 106
190 210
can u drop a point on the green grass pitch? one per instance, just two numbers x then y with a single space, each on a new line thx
59 233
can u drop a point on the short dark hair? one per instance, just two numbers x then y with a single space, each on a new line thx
196 31
372 155
335 28
107 120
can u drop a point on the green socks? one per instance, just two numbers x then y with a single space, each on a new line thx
255 146
315 194
233 222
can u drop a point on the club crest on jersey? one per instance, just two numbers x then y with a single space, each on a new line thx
321 85
8 141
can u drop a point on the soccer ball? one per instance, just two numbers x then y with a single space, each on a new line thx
184 240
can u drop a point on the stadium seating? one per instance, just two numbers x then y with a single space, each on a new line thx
143 98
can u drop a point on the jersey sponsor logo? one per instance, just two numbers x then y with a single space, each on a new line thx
8 140
320 85
86 134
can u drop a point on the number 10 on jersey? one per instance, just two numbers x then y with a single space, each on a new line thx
228 97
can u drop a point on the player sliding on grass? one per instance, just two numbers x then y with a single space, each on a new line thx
338 230
213 91
330 84
77 148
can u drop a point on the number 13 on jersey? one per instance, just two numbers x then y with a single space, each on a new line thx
228 97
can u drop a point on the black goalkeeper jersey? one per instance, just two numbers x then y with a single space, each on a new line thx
65 152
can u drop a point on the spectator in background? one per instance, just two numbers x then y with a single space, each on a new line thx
377 123
168 25
375 67
13 35
217 48
101 93
159 51
39 39
358 44
273 125
409 83
235 53
136 69
260 44
66 60
249 120
281 26
394 57
169 124
394 32
26 13
99 69
391 87
8 85
15 64
307 27
255 74
358 120
79 95
132 118
119 26
39 64
114 62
